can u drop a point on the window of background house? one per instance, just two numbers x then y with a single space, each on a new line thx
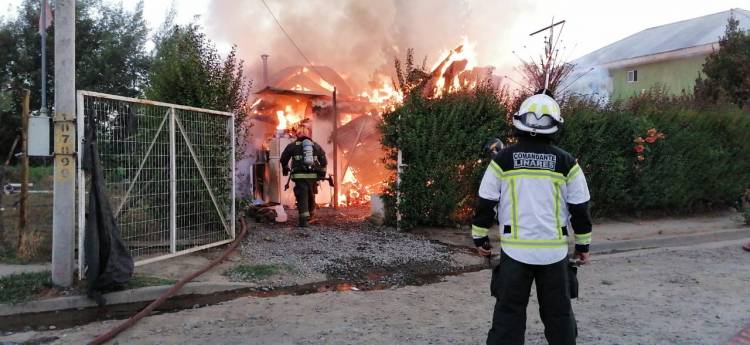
633 76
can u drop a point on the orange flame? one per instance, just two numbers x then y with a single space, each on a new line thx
349 177
287 117
383 94
354 192
449 69
345 118
282 119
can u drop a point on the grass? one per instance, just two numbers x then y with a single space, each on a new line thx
37 247
135 282
12 259
22 287
251 273
139 281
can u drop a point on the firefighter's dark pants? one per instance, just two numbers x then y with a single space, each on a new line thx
304 192
511 285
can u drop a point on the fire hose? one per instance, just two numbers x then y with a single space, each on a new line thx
101 339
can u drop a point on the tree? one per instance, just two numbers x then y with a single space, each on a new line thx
117 62
187 69
111 56
409 75
727 70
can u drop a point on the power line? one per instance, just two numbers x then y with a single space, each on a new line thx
294 43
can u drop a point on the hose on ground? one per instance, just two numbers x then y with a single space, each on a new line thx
101 339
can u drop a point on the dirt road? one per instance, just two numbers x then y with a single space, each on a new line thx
691 295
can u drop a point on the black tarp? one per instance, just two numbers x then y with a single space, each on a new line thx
109 264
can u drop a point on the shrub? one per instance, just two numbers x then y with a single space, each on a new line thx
690 158
702 161
441 142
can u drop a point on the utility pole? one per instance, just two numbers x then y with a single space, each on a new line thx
43 34
63 218
550 45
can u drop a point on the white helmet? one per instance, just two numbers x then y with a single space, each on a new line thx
538 114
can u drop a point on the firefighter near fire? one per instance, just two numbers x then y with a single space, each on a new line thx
536 192
308 167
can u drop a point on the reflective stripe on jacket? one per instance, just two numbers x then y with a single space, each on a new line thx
532 183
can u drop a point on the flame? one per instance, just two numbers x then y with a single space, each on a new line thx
326 85
384 95
448 71
299 87
282 119
287 118
346 119
354 192
349 177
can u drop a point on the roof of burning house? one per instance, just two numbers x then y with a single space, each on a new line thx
280 91
684 36
309 77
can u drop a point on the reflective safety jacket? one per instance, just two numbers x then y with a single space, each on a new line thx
537 192
294 152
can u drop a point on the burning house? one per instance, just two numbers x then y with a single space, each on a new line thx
300 94
347 120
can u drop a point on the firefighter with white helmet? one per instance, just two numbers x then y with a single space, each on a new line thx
540 114
538 194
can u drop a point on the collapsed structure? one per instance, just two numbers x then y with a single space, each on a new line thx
338 116
306 93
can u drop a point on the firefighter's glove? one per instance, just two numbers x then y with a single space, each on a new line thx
285 171
483 246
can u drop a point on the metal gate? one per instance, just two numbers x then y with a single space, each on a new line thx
169 172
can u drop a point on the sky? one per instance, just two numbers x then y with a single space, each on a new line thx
347 33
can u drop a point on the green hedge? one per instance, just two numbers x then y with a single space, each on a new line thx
701 162
441 142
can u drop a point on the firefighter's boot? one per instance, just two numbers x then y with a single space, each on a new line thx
302 222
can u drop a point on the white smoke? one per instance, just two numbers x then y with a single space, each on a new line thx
359 38
590 81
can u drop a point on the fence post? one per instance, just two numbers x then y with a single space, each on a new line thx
81 185
234 173
23 207
172 184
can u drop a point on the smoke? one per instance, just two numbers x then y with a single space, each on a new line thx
590 81
360 38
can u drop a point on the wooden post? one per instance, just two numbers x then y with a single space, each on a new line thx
22 216
336 178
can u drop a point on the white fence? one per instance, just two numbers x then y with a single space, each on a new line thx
169 173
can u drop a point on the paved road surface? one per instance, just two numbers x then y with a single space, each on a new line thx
691 295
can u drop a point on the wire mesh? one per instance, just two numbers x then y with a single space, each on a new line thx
201 217
133 140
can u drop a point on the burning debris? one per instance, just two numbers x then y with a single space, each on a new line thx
454 72
300 95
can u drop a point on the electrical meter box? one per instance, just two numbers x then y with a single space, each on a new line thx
38 136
